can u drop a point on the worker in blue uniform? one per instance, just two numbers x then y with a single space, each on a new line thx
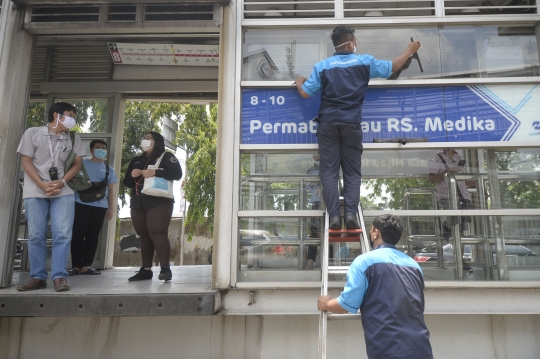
343 79
388 288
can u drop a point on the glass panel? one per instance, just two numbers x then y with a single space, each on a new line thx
479 262
415 179
448 52
386 44
91 115
396 180
282 182
287 249
518 174
489 51
281 55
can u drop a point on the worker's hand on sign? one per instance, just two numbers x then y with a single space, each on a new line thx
321 303
413 47
300 81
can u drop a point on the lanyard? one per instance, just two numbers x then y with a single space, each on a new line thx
57 147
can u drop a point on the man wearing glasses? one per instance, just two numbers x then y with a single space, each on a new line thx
44 152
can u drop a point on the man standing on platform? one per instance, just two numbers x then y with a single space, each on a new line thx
44 151
343 79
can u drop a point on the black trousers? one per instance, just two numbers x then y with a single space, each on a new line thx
86 228
152 225
340 145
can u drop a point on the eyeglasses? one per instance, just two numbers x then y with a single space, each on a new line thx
148 137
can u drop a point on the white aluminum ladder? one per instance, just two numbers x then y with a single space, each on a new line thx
326 271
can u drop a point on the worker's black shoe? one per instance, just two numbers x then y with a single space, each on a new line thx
335 222
350 221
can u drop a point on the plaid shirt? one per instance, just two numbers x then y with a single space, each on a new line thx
436 166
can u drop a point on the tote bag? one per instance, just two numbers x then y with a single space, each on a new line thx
157 186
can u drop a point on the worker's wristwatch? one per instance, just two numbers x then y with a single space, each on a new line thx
63 181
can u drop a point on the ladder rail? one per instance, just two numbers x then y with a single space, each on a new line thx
323 316
365 243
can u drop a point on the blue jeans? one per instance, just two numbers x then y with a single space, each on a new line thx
61 211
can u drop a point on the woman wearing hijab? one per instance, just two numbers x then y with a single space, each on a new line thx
150 214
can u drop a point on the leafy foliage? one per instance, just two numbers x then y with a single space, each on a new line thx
198 136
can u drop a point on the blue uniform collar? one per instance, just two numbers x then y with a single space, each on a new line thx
343 53
386 245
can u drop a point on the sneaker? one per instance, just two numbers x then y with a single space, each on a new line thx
165 273
335 222
142 274
350 221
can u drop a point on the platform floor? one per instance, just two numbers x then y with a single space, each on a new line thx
110 294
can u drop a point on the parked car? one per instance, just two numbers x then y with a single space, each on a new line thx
429 253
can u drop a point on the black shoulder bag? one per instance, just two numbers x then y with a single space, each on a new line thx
97 191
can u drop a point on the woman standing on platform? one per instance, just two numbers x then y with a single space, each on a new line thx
151 207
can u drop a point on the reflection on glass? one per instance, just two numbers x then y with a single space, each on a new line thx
518 173
91 115
423 241
448 52
287 249
281 55
279 244
386 44
489 51
283 182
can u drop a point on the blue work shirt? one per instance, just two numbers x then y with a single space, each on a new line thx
388 288
344 79
96 173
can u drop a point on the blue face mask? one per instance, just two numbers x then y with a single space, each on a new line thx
100 153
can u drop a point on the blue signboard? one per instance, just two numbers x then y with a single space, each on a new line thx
449 114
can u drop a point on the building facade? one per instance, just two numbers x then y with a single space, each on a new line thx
473 88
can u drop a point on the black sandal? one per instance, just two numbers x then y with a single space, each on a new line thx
91 271
73 272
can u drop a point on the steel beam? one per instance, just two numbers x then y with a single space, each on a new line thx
112 2
108 87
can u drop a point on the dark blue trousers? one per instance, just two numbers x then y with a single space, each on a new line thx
340 144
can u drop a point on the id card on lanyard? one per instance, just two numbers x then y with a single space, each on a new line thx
59 140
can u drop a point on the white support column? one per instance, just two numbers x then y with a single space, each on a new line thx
439 8
117 140
15 66
224 216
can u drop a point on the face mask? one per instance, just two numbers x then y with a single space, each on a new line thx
146 145
100 153
354 50
69 122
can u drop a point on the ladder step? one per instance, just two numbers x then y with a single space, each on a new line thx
338 270
343 316
343 239
344 235
337 232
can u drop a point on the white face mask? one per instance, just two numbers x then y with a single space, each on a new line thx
69 122
354 50
146 145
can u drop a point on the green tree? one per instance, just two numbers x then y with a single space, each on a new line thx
141 118
198 136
